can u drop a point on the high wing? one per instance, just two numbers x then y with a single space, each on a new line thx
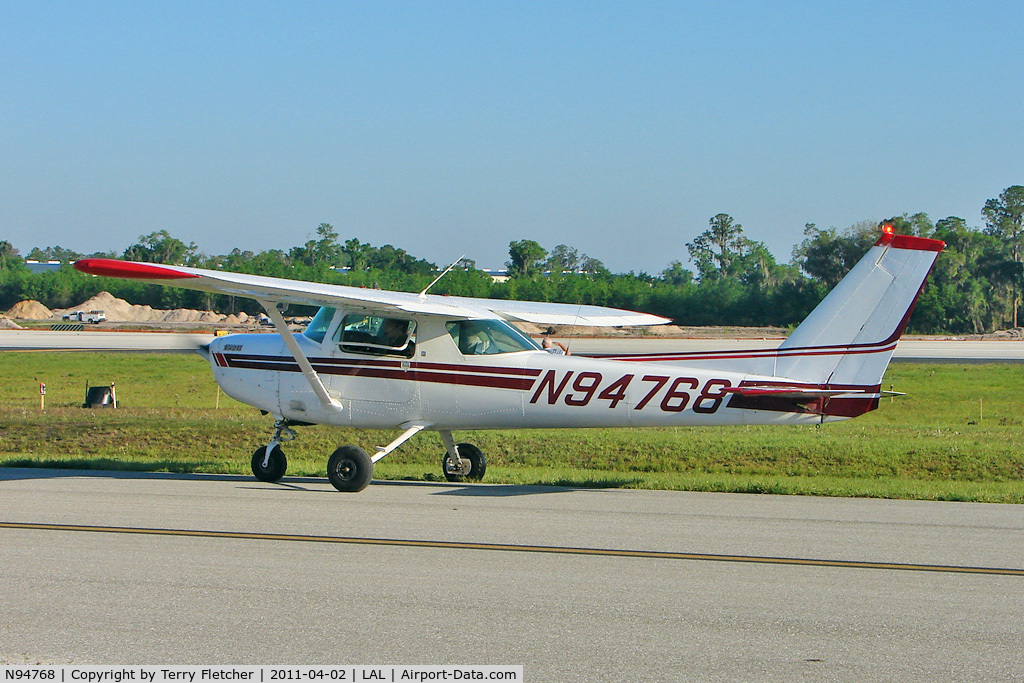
281 290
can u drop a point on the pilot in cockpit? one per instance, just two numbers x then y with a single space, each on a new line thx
395 333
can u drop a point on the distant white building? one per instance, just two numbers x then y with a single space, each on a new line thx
496 275
42 266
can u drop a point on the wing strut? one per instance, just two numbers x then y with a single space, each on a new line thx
307 368
412 428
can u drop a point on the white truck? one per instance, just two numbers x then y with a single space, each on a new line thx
94 317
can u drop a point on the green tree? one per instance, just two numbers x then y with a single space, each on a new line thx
755 266
56 253
393 259
160 247
319 253
918 224
357 253
9 256
676 275
273 262
592 266
827 256
963 293
465 279
1004 219
526 258
718 250
563 259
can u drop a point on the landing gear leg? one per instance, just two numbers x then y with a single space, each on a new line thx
350 469
269 462
462 461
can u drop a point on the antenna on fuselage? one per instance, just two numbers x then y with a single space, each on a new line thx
423 294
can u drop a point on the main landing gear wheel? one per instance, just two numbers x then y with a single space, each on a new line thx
473 464
350 469
275 466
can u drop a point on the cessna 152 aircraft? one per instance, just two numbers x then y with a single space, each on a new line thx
387 360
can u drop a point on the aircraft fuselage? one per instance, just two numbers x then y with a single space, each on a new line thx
452 391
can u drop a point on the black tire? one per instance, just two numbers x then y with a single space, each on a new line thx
276 466
468 453
350 469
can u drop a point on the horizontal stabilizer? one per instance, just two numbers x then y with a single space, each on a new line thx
797 394
835 401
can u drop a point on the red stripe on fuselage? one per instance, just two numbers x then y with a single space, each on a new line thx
396 364
850 350
485 376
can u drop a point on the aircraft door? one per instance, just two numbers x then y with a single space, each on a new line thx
490 378
371 361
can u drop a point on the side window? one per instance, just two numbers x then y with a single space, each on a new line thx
377 336
471 339
486 337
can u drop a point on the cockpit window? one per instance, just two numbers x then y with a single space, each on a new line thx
377 336
317 328
485 337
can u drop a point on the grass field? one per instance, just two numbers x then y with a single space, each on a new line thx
956 436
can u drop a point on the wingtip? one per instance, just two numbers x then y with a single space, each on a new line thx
129 269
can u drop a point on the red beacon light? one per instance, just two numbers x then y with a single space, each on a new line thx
887 228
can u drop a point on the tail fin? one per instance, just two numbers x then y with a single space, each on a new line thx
849 338
832 364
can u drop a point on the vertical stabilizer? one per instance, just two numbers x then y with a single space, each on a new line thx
849 338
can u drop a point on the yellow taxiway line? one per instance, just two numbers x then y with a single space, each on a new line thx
555 550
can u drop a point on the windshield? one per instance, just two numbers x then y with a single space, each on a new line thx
317 328
485 337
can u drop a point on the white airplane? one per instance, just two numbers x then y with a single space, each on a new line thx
394 360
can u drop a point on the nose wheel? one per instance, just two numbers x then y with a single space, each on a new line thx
269 462
269 467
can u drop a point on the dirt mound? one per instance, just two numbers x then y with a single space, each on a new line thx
242 318
116 310
29 310
119 310
8 324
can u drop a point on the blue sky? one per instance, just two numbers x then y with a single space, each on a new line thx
619 128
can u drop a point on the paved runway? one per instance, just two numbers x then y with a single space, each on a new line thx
110 569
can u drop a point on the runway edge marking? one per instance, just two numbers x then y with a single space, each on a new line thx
557 550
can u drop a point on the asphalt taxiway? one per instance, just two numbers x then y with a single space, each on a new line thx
576 585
